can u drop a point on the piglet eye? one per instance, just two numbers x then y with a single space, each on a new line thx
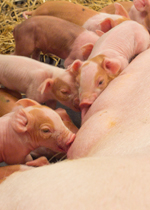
101 82
45 130
64 91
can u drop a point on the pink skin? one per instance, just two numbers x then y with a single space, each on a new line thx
39 81
108 59
138 10
95 23
26 129
117 123
53 35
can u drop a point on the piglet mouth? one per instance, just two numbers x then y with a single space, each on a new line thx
84 110
66 146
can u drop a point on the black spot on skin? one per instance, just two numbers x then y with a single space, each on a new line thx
7 100
83 9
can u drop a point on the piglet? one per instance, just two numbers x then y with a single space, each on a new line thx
26 129
43 151
88 18
75 13
39 81
138 10
110 55
53 35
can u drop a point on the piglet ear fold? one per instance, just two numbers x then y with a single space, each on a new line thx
120 10
107 24
20 120
74 68
86 50
46 86
25 102
141 5
99 33
112 66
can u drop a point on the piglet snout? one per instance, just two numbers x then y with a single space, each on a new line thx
71 139
66 145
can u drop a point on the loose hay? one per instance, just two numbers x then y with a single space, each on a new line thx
11 15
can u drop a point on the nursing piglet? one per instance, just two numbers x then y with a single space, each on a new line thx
110 55
43 151
118 122
39 81
53 35
26 129
88 18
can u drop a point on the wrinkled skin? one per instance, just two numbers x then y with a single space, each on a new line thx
26 129
53 35
9 103
49 153
39 81
108 59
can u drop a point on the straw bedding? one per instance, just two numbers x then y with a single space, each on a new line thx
11 15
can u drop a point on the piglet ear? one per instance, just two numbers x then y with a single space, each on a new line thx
120 10
86 50
112 66
107 24
46 86
74 67
141 5
19 121
25 102
99 33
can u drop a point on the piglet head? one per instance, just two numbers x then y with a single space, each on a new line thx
63 89
42 126
93 77
143 12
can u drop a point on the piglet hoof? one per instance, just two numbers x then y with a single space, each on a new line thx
38 162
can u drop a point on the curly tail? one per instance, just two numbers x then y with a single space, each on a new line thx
27 13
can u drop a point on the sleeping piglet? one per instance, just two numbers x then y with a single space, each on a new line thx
25 129
110 55
78 14
53 35
39 81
